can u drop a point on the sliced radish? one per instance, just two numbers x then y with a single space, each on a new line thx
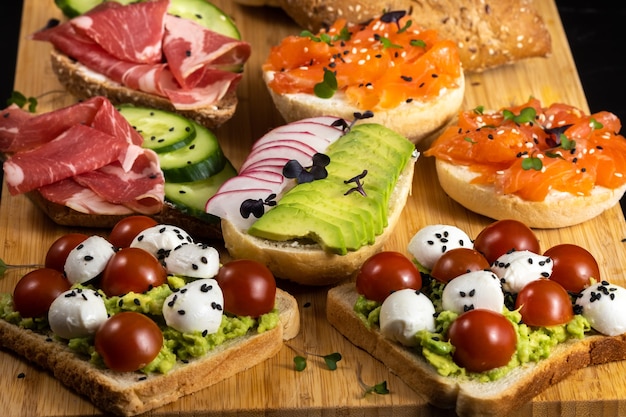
294 143
279 151
246 182
227 205
305 139
325 131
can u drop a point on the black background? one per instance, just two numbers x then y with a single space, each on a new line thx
594 30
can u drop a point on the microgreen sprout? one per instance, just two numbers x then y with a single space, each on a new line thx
418 42
300 360
344 35
21 100
470 140
532 162
357 116
380 388
595 124
327 87
386 42
526 115
359 185
479 109
317 171
4 267
256 207
558 138
394 17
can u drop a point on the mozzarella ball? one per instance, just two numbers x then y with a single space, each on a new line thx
193 260
430 242
87 260
159 240
404 313
473 290
518 268
604 306
197 306
77 313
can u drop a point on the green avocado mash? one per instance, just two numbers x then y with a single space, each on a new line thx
533 343
176 346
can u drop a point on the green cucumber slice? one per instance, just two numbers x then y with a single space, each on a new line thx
73 8
205 14
198 160
191 197
162 131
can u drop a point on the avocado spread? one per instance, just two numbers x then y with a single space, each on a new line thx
533 343
176 346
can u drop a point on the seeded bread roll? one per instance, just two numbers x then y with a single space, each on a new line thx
559 209
130 393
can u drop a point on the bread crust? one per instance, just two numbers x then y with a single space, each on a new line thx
128 393
488 34
84 84
556 211
420 122
470 398
310 264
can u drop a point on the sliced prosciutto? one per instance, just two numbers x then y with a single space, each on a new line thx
151 51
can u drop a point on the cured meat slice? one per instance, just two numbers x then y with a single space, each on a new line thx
69 193
133 33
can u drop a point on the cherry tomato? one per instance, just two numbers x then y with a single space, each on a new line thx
57 252
126 229
248 286
386 272
132 269
128 341
456 262
36 290
543 303
503 236
482 340
573 266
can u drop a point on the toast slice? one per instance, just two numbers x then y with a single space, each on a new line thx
132 393
470 398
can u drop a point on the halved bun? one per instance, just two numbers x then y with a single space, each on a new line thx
559 209
420 122
469 398
309 264
84 83
129 393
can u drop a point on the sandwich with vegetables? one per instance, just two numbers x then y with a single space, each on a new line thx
482 325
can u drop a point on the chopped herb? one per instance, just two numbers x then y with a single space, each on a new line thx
418 42
527 115
595 124
479 109
326 88
470 140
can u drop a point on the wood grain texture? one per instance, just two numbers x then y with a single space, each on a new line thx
274 387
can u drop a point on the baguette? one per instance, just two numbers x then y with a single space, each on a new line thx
488 35
128 394
465 397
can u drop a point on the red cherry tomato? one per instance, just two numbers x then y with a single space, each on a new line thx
57 252
132 269
543 303
482 340
128 341
36 290
456 262
573 266
248 286
386 272
126 229
503 236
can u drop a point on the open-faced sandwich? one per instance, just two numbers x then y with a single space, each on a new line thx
144 317
489 323
487 34
175 55
91 164
316 197
548 167
408 76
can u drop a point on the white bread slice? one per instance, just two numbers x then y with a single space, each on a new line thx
559 209
469 398
127 393
84 83
420 122
309 264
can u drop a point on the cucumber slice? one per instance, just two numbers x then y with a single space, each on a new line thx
198 160
162 131
205 14
73 8
191 197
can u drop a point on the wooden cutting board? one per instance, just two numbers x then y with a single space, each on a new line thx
274 387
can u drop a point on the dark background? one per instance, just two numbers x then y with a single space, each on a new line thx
594 31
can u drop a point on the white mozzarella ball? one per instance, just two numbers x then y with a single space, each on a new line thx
160 239
193 260
430 242
404 313
197 306
77 313
604 306
518 268
87 260
473 290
